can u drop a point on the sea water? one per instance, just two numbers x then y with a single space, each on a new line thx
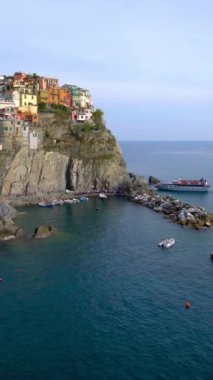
100 299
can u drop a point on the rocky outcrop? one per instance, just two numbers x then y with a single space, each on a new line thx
86 175
153 180
8 229
34 173
7 211
172 208
78 161
43 231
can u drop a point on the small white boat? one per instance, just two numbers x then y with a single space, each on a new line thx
102 196
42 204
167 243
69 201
46 204
8 237
84 199
55 202
75 200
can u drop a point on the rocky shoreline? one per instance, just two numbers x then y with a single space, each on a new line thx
136 190
172 208
8 229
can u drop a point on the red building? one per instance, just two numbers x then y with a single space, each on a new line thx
19 76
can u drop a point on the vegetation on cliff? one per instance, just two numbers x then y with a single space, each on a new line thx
77 156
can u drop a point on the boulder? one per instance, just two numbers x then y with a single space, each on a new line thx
173 209
8 230
43 231
7 211
190 217
153 180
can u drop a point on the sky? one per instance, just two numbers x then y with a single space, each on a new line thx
147 63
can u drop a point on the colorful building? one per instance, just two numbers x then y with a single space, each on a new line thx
6 103
19 75
81 98
14 95
28 108
9 112
59 96
43 96
85 99
45 82
28 98
28 115
82 115
21 93
75 93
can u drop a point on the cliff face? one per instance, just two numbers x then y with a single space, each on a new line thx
80 159
32 173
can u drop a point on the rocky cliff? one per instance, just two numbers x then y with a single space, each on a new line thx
78 158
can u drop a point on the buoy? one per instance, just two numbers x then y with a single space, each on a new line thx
1 279
187 305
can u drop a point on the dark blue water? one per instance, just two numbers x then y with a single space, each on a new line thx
172 160
100 300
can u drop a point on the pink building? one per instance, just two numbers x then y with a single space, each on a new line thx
45 83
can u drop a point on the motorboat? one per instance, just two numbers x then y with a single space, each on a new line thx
195 185
84 199
102 196
46 204
68 201
167 243
211 256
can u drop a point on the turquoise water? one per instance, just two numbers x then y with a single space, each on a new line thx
100 300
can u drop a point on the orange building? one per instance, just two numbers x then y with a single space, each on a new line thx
60 96
27 116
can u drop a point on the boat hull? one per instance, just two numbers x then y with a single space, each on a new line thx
174 187
167 243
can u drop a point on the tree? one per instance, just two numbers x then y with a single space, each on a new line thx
98 117
42 107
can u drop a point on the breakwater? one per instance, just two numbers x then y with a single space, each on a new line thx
172 208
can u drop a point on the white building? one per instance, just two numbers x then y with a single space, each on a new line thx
85 99
33 140
25 130
6 103
84 115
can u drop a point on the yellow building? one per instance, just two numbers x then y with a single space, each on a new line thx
43 96
31 110
28 99
28 103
